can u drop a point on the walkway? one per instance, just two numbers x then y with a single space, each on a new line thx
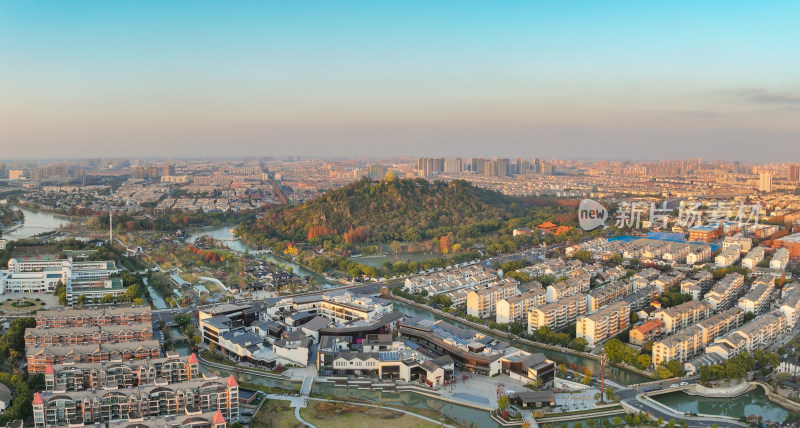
307 382
298 402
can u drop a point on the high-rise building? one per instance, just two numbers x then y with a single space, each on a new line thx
765 182
478 165
453 165
430 166
497 168
377 171
794 172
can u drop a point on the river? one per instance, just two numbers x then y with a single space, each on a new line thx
753 403
37 222
225 235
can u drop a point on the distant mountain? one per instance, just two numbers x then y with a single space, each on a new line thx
407 210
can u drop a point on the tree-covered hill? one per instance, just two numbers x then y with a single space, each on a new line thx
383 211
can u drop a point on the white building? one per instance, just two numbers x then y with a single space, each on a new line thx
728 256
753 258
757 299
780 259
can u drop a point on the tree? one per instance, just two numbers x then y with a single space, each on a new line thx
590 423
579 344
586 380
503 402
609 393
671 423
562 368
82 299
617 420
644 361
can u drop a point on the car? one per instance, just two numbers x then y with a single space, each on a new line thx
674 385
684 383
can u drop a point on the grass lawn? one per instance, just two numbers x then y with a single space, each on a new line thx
337 415
276 414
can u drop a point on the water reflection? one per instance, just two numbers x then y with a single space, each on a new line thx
753 403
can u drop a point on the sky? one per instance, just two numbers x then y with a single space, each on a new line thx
567 79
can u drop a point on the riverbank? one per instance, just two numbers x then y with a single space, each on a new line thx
518 339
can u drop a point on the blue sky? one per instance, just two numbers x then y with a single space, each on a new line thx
581 79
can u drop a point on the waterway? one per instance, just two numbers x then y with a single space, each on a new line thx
753 403
37 222
225 235
616 374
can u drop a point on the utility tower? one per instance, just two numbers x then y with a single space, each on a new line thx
603 377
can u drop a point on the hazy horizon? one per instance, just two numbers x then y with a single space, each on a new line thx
573 80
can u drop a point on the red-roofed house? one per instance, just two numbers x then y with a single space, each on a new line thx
646 332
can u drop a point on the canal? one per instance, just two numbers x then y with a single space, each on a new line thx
225 235
753 403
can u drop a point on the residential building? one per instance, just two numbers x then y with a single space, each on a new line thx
689 342
90 407
758 334
70 336
780 259
450 279
114 375
684 315
607 294
757 299
481 301
744 243
765 182
789 366
646 332
567 287
698 284
604 323
95 317
725 292
728 256
516 308
790 305
40 356
557 315
699 254
753 258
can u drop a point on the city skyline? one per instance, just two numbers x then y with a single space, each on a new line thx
576 80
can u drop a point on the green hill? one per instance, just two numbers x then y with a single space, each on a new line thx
383 211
